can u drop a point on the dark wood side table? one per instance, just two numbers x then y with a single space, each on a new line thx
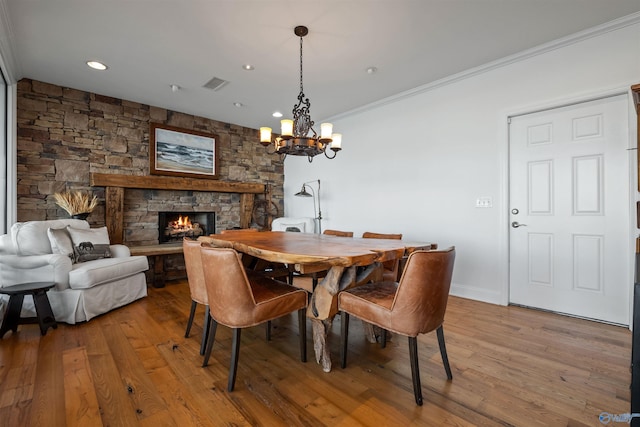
44 317
158 252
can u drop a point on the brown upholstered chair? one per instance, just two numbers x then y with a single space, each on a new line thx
338 233
390 272
240 299
372 235
197 287
415 305
271 269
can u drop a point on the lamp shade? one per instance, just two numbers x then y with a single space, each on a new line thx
325 130
336 144
286 127
303 192
265 136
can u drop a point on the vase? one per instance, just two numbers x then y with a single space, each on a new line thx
83 215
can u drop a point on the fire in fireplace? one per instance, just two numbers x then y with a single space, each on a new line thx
174 226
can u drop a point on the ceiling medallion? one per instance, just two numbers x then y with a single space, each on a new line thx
295 138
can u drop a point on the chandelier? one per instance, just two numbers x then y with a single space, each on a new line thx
295 138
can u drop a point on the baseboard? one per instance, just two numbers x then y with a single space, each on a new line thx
475 293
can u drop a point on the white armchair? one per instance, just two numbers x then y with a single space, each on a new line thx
302 224
83 290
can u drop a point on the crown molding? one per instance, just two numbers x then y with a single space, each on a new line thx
8 60
607 27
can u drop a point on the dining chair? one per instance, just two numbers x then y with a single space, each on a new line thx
390 271
197 287
272 269
415 305
249 263
338 233
240 299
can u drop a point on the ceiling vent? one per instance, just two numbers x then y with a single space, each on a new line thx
215 83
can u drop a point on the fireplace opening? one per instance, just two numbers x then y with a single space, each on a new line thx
174 226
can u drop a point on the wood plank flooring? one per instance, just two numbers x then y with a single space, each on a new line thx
133 367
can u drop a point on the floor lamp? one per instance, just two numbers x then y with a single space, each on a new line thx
304 193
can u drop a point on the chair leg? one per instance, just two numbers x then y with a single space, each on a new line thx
205 329
235 352
268 330
213 325
302 332
190 321
415 369
383 338
443 352
344 335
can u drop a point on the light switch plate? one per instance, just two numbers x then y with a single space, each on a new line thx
484 202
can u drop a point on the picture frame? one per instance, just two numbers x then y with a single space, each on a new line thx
181 152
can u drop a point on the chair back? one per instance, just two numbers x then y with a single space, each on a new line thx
338 233
231 301
195 275
372 235
421 299
390 267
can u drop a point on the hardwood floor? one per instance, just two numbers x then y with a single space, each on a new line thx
133 367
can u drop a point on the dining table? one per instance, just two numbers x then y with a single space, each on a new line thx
347 261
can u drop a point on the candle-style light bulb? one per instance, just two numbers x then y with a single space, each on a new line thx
265 136
286 128
336 144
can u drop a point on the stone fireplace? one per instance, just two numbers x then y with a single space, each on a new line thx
70 139
174 226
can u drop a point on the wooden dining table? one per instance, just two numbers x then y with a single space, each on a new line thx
347 261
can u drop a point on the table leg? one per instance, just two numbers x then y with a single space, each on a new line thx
324 305
323 308
373 273
369 333
158 271
12 315
321 330
46 319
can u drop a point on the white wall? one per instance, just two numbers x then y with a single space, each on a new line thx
417 165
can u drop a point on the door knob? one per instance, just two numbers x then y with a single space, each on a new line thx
516 224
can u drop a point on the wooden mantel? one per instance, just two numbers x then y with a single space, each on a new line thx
116 184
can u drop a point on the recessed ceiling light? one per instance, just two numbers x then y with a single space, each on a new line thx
238 104
372 70
174 88
277 114
96 65
248 67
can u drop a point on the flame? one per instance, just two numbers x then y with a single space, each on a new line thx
182 223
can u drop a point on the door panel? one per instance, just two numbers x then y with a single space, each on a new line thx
569 184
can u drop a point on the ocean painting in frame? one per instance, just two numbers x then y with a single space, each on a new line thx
182 152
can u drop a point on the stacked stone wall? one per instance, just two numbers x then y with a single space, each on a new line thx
65 134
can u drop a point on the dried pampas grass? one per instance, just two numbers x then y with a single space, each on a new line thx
76 202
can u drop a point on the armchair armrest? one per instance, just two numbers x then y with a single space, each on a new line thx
15 269
119 251
6 246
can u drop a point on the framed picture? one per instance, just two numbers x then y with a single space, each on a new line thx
182 152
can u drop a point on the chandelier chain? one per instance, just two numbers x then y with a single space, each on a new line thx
301 90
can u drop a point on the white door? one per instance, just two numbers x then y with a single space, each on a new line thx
569 210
